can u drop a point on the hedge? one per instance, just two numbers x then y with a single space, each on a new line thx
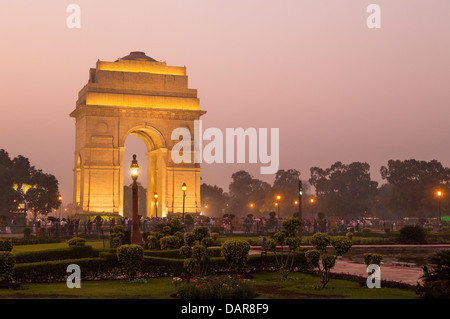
57 254
175 253
107 267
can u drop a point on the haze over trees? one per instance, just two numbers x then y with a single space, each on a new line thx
341 190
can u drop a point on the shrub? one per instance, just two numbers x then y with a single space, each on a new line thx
6 245
200 232
279 237
313 257
7 262
175 225
207 242
130 258
189 239
291 225
180 237
186 251
436 280
387 230
341 244
167 230
153 242
349 235
72 252
372 258
365 232
412 235
320 241
445 228
169 242
218 287
119 229
214 236
76 241
235 252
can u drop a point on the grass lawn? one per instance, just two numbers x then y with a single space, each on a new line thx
268 285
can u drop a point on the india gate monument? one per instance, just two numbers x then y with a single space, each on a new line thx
135 95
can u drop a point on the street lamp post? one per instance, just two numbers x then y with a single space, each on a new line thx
60 206
312 207
184 187
155 196
136 237
278 205
439 195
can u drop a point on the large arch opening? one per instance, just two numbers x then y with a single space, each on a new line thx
150 148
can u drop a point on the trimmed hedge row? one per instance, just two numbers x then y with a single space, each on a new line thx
175 253
76 252
107 267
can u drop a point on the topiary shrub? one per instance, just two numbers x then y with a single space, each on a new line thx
7 262
320 241
412 235
349 235
323 261
372 258
130 258
6 245
291 225
207 242
186 251
153 242
189 239
169 242
116 238
341 244
201 232
76 242
235 252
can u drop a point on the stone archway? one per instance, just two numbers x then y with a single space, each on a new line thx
135 95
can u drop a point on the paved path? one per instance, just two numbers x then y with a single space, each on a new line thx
408 275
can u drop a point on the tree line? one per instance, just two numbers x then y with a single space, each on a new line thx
23 184
341 190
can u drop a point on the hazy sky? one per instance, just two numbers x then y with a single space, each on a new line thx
336 89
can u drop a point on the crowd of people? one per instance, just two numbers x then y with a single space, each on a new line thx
72 227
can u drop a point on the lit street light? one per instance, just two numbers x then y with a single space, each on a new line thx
136 237
439 195
312 200
184 188
155 196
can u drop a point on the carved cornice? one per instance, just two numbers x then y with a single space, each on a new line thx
135 112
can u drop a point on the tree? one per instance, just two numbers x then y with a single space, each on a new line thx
42 198
286 185
343 190
243 190
413 186
215 198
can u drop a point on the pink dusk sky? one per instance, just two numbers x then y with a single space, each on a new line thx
337 90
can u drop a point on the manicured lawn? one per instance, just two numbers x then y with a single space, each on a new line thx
269 286
63 244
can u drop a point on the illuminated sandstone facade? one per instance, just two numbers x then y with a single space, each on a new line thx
140 96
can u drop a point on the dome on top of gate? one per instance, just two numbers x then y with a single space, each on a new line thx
138 55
